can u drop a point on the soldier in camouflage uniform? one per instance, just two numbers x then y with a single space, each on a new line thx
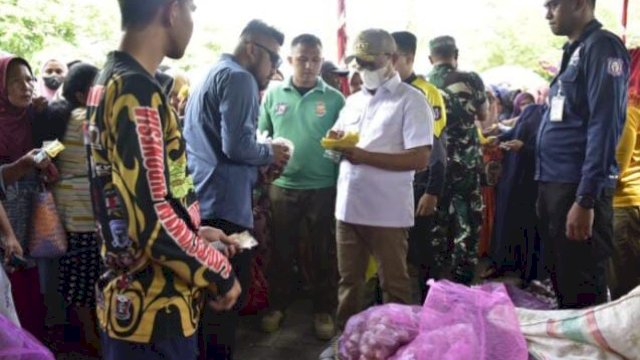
460 210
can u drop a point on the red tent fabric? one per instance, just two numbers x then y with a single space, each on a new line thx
342 41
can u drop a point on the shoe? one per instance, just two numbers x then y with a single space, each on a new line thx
324 326
331 351
272 321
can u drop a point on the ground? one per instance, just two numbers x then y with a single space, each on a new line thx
295 341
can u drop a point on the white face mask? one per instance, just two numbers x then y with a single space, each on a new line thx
373 79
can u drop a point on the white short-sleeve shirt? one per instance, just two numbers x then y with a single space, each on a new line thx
394 119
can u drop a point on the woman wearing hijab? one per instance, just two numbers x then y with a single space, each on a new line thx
515 245
80 266
52 75
521 101
17 111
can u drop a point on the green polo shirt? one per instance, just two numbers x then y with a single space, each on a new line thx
304 120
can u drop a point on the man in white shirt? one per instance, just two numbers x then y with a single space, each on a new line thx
374 206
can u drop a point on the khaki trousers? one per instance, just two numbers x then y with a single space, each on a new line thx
389 248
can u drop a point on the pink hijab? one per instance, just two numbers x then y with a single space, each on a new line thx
15 123
43 90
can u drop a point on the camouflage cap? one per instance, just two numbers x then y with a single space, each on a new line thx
443 44
370 44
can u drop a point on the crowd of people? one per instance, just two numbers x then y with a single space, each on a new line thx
450 178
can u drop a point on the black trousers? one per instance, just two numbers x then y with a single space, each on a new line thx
577 268
218 329
422 251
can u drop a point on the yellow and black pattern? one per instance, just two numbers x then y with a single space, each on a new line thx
435 100
146 211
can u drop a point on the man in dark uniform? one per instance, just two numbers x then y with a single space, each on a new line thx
427 184
460 209
576 146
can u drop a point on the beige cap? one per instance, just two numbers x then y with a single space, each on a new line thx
371 43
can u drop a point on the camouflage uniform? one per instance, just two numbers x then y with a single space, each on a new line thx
460 208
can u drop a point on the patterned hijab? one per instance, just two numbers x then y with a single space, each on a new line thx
15 123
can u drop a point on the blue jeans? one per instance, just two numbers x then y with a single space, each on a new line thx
168 349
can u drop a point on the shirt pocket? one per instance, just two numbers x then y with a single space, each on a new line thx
569 84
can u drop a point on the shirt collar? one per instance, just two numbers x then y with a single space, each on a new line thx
392 84
411 78
443 66
126 58
321 86
591 27
229 57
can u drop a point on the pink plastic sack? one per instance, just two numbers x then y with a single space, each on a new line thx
18 344
379 332
458 322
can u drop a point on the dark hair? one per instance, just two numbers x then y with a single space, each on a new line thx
306 39
137 14
73 63
258 27
407 42
444 52
79 79
593 3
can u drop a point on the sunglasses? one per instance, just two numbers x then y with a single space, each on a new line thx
276 60
370 65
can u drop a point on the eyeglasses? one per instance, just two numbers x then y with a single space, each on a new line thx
276 60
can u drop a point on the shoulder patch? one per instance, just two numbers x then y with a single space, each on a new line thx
615 67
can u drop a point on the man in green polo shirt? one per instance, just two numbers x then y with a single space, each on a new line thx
302 110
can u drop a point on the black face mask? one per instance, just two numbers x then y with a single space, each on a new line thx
52 82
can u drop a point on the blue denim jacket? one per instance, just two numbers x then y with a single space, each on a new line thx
223 153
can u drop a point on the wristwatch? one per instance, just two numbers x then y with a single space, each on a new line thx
586 201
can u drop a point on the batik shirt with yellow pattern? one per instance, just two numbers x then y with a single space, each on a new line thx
432 179
157 268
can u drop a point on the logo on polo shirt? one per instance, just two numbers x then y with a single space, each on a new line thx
321 109
281 109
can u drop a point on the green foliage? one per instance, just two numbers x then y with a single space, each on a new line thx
497 35
25 25
67 29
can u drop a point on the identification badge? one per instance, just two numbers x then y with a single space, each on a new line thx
557 108
123 308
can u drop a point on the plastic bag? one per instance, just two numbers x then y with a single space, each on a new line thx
7 306
458 322
18 344
525 300
379 332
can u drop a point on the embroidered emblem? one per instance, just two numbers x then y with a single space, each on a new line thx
119 234
615 67
123 308
437 113
321 109
281 109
